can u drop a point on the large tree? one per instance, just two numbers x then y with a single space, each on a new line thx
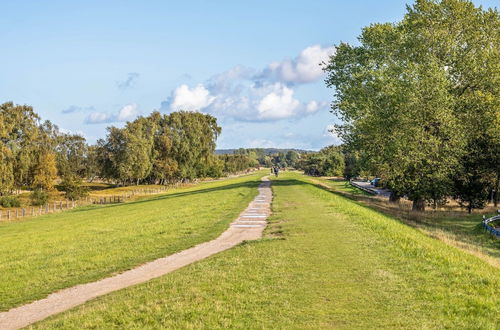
402 94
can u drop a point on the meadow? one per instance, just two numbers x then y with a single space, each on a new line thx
55 251
325 261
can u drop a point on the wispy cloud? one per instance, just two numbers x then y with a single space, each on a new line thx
76 108
129 82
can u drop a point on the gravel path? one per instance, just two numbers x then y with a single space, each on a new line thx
249 226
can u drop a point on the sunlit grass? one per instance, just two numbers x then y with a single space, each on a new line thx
50 252
455 227
326 262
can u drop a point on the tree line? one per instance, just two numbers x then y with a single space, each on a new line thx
159 149
420 102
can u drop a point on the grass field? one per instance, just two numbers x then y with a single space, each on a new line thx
55 251
326 261
457 228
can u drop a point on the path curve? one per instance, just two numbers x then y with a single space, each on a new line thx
248 226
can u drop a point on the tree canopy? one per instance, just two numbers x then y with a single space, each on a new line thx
419 99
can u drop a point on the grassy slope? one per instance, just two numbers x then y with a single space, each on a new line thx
56 251
456 228
326 262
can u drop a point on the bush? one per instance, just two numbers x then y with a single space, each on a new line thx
39 197
73 188
10 201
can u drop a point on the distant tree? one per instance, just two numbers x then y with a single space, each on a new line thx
91 163
73 188
71 154
6 160
292 158
45 171
328 161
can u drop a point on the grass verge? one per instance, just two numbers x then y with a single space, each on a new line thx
457 228
56 251
326 261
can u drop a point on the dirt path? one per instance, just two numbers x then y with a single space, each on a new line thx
248 226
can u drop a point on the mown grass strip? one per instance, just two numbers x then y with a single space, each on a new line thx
326 262
51 252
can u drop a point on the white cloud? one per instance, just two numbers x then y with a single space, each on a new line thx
330 135
278 104
126 113
304 68
190 99
240 94
98 118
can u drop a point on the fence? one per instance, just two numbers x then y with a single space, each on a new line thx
489 228
58 206
37 210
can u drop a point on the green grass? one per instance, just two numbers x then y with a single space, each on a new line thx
325 262
458 228
51 252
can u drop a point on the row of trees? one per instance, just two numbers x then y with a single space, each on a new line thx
329 161
155 149
159 149
32 152
270 157
420 101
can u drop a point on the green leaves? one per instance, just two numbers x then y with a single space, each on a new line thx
416 94
167 148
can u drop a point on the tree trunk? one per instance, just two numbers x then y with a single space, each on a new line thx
394 198
469 208
418 205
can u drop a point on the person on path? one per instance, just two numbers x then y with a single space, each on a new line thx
276 171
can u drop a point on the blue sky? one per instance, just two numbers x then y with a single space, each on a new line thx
86 65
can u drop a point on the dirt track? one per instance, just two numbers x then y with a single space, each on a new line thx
248 226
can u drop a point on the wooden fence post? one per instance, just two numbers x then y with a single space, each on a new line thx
24 212
8 214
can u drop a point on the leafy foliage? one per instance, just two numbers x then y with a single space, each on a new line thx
328 161
416 97
10 201
39 197
73 188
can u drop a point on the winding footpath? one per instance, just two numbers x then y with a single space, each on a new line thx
248 226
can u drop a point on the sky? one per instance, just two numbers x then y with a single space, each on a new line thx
88 65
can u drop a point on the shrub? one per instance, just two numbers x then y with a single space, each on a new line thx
73 188
10 201
39 197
